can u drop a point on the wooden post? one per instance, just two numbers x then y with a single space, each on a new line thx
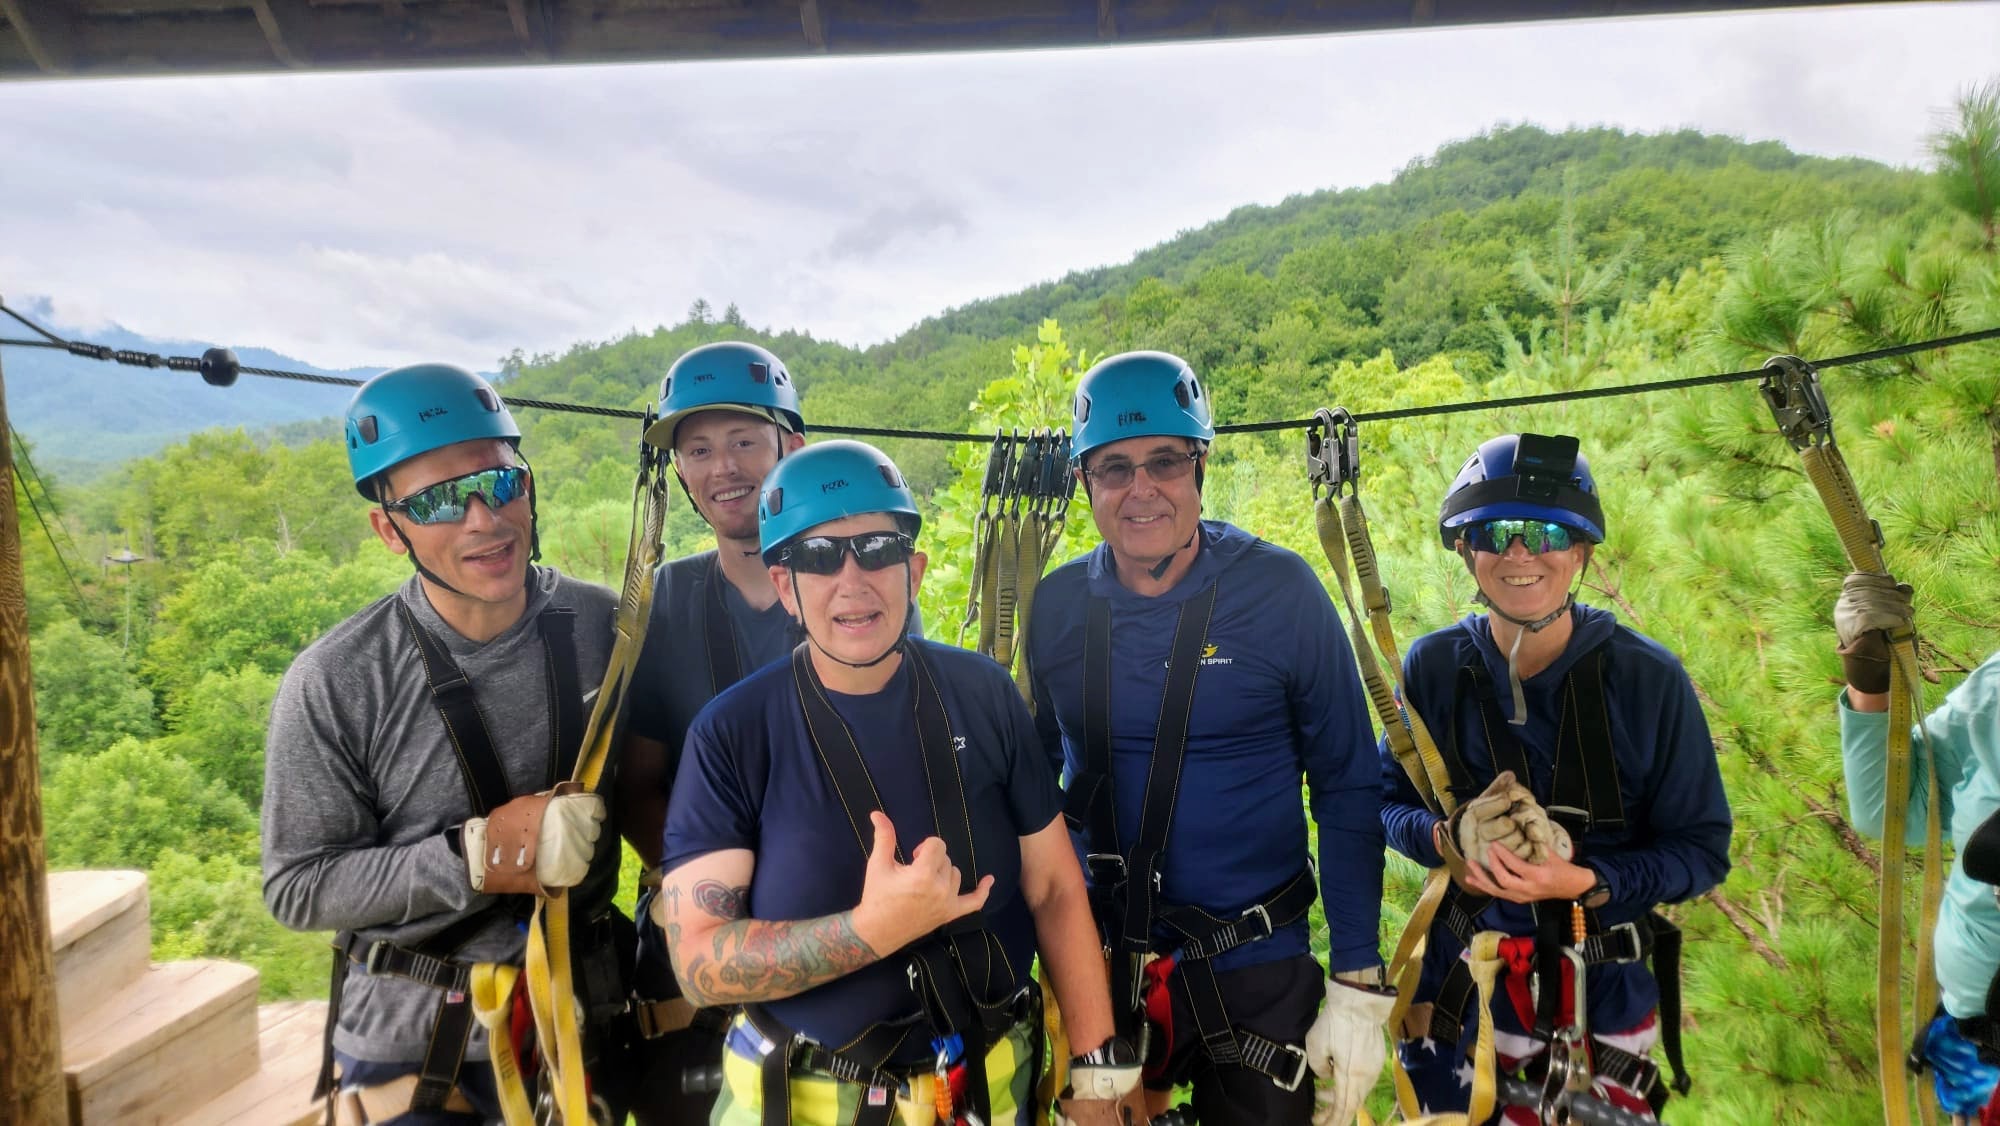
31 1075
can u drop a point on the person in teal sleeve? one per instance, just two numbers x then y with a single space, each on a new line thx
1963 740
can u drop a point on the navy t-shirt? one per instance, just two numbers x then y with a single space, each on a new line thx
672 683
750 779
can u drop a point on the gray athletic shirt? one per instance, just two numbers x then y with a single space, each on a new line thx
360 784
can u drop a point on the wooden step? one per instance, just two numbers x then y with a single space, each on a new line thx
162 1045
280 1093
102 937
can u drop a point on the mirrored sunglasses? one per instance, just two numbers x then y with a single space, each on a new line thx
1160 467
445 502
1537 536
824 555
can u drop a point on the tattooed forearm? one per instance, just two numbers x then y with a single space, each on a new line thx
751 960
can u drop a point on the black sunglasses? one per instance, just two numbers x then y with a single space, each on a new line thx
826 555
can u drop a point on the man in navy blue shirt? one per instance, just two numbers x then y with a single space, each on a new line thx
864 849
1598 795
728 413
1186 676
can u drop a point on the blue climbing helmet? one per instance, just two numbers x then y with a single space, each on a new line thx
412 410
727 376
1524 477
1138 394
828 481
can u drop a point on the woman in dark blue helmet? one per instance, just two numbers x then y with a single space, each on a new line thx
1587 793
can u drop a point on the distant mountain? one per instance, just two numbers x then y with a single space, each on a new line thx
82 416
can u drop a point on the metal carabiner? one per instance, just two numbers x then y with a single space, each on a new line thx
1333 451
1792 390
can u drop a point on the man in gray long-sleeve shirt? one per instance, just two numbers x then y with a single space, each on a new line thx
390 807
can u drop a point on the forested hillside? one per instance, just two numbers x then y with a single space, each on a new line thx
1517 262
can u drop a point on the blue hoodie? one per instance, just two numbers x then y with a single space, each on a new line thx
1277 699
1675 843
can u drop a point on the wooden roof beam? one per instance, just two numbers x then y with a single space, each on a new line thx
813 25
531 27
284 25
45 30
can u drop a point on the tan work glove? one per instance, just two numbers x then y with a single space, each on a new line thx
1128 1109
1103 1088
536 844
1348 1043
1873 610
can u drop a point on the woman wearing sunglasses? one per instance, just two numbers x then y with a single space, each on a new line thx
865 849
1587 793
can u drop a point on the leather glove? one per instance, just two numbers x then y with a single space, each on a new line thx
1103 1088
1508 815
1128 1109
1347 1043
1873 610
536 844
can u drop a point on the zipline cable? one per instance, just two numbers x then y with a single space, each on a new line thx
219 367
63 561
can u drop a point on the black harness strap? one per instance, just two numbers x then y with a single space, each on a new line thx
464 725
486 787
961 973
1123 886
725 663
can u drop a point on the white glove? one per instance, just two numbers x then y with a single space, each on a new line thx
535 844
1348 1044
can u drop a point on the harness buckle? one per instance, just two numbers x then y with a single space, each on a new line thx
1111 864
378 953
1263 916
1638 942
1299 1068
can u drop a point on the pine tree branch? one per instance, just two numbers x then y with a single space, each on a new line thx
1738 920
1825 812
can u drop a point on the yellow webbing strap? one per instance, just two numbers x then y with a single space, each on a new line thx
1007 589
1793 392
1487 965
551 992
1342 526
493 1004
1056 1075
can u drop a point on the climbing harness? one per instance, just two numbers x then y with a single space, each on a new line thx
1125 886
1023 502
430 961
952 970
1583 798
1791 388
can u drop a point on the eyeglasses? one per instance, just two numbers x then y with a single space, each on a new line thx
826 555
446 501
1117 474
1537 536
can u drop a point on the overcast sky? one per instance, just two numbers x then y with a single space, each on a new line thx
455 215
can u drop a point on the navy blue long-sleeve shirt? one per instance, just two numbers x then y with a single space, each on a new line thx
1277 699
1675 843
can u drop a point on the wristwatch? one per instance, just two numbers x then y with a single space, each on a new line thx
1598 894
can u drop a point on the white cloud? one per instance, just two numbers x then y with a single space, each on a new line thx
379 218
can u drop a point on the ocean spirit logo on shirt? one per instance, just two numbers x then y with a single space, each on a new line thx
1208 657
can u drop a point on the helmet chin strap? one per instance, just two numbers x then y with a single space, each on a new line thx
1160 568
894 648
1525 627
